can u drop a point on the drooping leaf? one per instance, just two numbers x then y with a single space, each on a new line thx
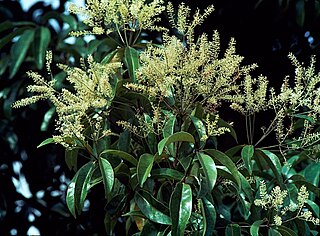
41 42
78 189
144 167
227 162
233 230
247 154
209 169
71 158
209 217
180 208
8 38
107 175
123 155
273 162
176 137
150 211
131 59
166 173
19 50
109 56
254 229
45 142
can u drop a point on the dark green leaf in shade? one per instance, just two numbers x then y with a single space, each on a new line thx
300 12
176 137
19 50
273 162
124 141
209 169
200 128
247 154
123 155
45 142
78 189
285 231
254 229
107 175
109 56
222 123
169 130
273 232
150 212
149 229
131 59
209 217
233 230
8 38
41 42
71 158
144 167
166 173
180 208
47 118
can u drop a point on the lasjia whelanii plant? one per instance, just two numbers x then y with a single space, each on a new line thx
182 83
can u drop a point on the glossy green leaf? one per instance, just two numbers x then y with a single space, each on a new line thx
8 38
176 137
131 59
233 230
209 169
273 232
254 229
200 128
273 162
227 162
233 133
19 50
78 189
109 56
144 167
71 158
246 188
180 208
150 212
41 42
247 154
169 130
166 173
209 217
107 175
123 155
285 231
45 142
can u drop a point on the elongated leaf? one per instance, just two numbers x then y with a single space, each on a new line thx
273 232
247 154
166 173
109 56
5 25
285 231
180 208
41 42
19 50
233 230
47 118
8 38
123 155
107 175
169 130
176 137
45 142
131 58
200 128
149 229
71 158
273 162
144 167
78 189
209 169
254 229
209 217
151 138
227 162
150 211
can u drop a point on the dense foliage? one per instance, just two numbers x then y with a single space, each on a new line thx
146 121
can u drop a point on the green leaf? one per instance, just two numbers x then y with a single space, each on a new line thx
305 117
71 158
176 137
300 12
150 211
109 56
222 123
124 142
285 231
273 162
273 232
247 154
144 167
254 229
209 217
45 142
151 138
166 173
9 37
233 230
123 155
168 130
6 25
47 118
107 175
209 169
78 189
41 42
19 50
131 59
200 128
70 20
227 162
149 229
180 208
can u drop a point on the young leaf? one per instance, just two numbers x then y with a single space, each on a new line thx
176 137
78 189
150 211
144 167
180 208
247 154
131 59
45 142
41 42
209 169
107 175
209 217
19 50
